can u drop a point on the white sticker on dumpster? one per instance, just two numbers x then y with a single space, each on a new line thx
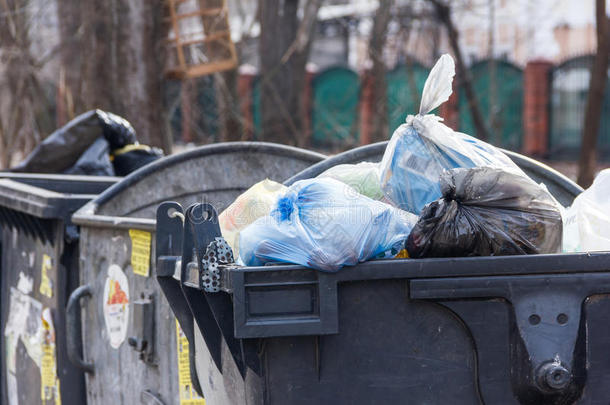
116 305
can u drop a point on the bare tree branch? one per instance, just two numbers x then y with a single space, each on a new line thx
597 84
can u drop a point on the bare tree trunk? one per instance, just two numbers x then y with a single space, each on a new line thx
443 12
70 18
228 107
24 113
284 48
379 125
597 85
225 82
123 52
494 108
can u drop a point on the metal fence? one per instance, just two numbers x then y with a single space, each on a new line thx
405 84
334 113
336 94
502 89
570 88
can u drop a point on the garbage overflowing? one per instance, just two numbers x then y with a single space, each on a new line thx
363 177
587 222
435 193
324 224
485 211
94 143
423 147
255 203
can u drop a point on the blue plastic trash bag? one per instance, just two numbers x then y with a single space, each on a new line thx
422 148
324 224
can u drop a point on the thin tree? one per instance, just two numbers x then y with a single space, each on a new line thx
379 120
25 116
443 13
121 46
597 85
284 47
225 82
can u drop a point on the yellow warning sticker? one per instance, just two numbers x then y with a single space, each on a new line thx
46 285
49 383
188 395
140 252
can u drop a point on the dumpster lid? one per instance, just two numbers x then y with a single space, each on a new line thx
49 196
228 167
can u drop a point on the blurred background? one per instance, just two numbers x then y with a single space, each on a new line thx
322 74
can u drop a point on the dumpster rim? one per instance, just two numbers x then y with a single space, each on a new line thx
363 152
87 214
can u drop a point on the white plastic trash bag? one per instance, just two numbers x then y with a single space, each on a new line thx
422 148
586 224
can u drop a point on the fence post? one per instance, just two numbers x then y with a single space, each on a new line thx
245 93
450 109
536 117
366 106
306 113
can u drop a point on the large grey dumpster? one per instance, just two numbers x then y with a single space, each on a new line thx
495 330
129 333
38 272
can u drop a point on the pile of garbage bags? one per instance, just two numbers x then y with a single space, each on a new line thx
435 193
95 143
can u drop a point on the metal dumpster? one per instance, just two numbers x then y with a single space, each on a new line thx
38 272
133 349
495 330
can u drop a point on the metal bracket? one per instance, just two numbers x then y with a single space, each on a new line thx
547 339
168 248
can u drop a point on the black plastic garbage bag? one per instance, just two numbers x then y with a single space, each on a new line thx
132 157
117 130
95 161
487 211
64 147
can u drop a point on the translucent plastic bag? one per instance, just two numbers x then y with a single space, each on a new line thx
254 203
423 147
487 212
587 221
324 224
363 177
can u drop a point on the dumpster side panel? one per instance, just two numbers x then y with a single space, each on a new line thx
33 279
388 350
121 375
228 387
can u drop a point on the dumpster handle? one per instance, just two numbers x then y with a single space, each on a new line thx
73 328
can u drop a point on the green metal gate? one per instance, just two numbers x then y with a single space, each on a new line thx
405 84
569 92
336 93
506 129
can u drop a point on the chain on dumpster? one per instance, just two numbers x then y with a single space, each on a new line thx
217 252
